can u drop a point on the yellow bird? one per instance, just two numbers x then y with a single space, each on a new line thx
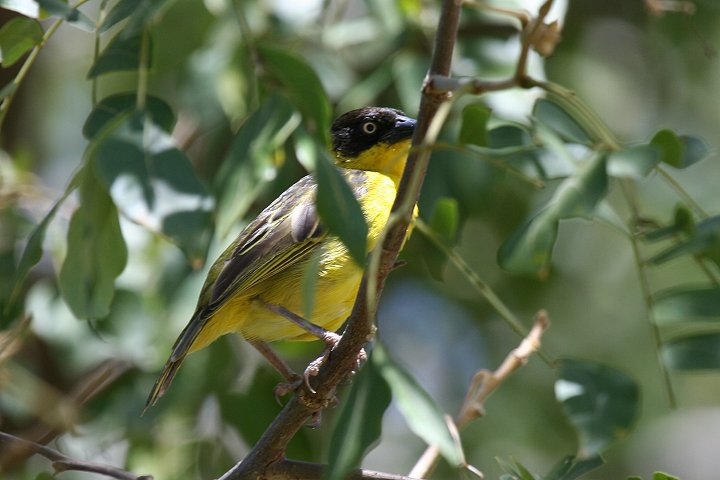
254 287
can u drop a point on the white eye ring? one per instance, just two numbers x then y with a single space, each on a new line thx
369 127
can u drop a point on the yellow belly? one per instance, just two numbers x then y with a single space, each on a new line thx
335 289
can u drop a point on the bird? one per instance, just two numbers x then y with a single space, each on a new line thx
254 288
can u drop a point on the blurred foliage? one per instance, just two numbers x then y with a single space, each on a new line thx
139 136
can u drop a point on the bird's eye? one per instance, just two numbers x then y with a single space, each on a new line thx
369 127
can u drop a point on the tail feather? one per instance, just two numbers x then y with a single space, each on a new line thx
179 352
163 382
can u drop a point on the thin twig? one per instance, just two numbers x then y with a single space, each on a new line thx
483 384
63 463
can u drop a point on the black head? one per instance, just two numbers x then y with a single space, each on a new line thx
358 130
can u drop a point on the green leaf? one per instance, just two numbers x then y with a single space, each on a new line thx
670 146
445 219
112 106
683 223
336 203
251 160
359 423
29 8
529 249
119 55
140 12
663 476
96 252
684 305
34 248
552 115
339 209
694 150
72 15
515 470
599 401
680 151
693 352
17 37
634 162
302 86
444 222
508 136
420 411
153 183
570 467
119 12
703 241
473 128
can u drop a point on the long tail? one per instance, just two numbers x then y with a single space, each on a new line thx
179 352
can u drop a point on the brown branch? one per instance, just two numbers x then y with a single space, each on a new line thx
269 451
483 384
63 463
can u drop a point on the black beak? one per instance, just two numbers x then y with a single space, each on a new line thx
403 129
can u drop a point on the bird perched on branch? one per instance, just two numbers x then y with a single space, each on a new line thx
254 287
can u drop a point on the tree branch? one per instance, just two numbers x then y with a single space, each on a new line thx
483 384
269 451
63 463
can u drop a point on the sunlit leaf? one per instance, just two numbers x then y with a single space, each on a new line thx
684 305
120 54
419 410
600 402
571 467
251 160
29 8
693 352
552 115
17 37
96 252
114 105
153 183
529 249
473 128
634 162
72 15
359 423
302 86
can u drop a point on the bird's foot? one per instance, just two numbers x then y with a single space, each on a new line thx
292 384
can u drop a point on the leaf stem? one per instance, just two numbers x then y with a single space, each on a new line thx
647 297
682 193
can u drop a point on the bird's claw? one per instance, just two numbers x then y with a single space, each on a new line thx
282 389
